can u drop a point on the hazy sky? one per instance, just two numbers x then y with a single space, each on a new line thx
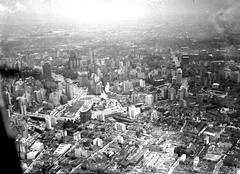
106 10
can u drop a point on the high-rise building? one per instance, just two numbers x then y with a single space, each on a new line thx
134 97
99 88
183 93
134 111
43 93
71 64
98 142
174 80
120 126
74 61
120 140
154 115
179 76
121 65
99 73
195 163
142 83
85 113
208 79
141 98
107 87
173 72
78 152
77 136
12 88
18 65
38 96
28 97
60 87
92 86
91 55
22 101
127 86
53 120
54 97
155 96
69 89
185 59
19 85
165 93
101 117
236 76
227 73
83 78
21 147
48 122
8 113
7 98
171 94
47 72
95 77
149 99
63 99
94 80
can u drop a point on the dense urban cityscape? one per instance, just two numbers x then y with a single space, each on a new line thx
152 97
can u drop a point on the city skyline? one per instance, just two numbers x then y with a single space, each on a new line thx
120 86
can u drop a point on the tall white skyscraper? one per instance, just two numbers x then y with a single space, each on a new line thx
107 87
134 111
22 101
48 122
142 83
179 76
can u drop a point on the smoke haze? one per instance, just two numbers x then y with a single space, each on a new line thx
227 20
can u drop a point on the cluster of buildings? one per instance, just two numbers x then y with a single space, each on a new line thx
106 110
